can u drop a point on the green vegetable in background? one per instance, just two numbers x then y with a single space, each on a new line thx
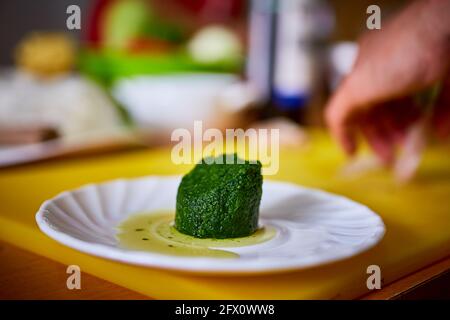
124 20
219 200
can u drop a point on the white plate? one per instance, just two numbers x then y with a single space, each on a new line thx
313 227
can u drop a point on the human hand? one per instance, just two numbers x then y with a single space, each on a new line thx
409 54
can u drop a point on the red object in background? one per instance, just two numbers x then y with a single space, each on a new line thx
213 9
147 45
92 35
208 11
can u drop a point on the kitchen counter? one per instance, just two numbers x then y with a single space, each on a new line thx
417 218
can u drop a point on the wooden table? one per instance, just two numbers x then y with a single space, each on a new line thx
24 275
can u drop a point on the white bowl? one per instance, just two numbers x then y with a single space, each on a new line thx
313 227
173 101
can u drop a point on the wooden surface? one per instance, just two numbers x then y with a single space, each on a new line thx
431 282
24 275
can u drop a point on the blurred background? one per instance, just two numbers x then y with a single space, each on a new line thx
137 69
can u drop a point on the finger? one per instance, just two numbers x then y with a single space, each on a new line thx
442 121
378 139
339 116
399 115
409 159
354 96
385 115
441 114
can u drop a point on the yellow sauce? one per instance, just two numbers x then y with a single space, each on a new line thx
154 232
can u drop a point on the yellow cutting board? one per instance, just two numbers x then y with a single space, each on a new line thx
417 218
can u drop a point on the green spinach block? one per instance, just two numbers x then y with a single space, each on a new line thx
220 200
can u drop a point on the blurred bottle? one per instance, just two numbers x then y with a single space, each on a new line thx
260 56
296 50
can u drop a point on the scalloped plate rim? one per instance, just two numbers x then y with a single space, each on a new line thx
196 264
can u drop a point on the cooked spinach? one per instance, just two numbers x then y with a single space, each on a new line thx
218 199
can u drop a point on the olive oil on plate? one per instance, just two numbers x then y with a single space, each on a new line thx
154 232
